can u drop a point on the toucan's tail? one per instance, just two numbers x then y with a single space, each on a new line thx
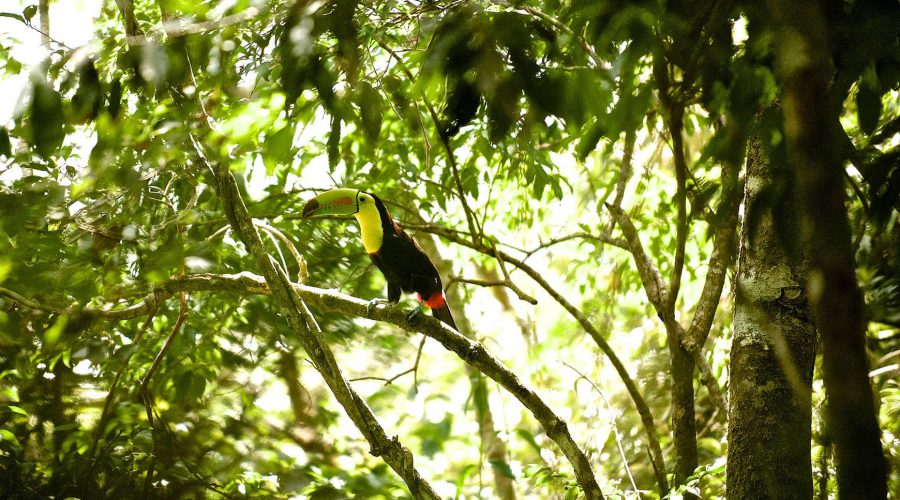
443 314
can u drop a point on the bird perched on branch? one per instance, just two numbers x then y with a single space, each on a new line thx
402 261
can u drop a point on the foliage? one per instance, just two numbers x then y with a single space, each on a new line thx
508 123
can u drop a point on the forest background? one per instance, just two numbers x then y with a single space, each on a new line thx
668 232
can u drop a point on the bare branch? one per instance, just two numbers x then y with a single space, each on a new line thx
132 29
625 171
44 15
719 261
608 240
145 388
491 283
655 289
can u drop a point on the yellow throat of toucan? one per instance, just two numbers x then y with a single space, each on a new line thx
369 223
364 206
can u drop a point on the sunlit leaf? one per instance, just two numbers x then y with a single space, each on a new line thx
54 333
29 12
278 148
17 409
6 435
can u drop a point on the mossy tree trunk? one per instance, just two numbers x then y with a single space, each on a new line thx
772 355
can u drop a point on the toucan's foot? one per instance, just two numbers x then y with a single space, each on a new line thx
371 306
415 312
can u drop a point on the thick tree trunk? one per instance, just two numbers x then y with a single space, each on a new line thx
837 302
772 357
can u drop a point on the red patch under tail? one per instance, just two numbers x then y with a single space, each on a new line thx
439 308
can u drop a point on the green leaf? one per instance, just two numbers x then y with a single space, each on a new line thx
279 148
6 435
89 96
461 480
115 98
590 139
13 67
502 466
334 143
53 334
190 386
529 438
370 109
29 12
46 127
17 409
14 16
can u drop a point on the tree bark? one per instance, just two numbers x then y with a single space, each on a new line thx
684 430
837 303
772 358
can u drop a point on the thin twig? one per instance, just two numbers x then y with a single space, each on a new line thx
414 370
616 242
493 283
612 423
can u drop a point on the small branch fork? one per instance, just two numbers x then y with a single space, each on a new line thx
414 370
658 293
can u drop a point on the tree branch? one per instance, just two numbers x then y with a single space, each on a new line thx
636 397
473 353
398 457
491 283
654 286
132 29
656 292
606 239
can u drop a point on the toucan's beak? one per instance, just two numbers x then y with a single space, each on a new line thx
336 202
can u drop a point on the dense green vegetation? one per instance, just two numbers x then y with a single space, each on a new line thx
576 170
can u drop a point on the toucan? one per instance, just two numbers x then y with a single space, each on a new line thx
402 261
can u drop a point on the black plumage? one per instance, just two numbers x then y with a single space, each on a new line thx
407 268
